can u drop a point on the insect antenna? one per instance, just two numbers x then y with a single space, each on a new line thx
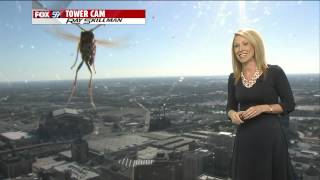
80 27
96 27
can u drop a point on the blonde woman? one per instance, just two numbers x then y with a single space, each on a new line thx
254 89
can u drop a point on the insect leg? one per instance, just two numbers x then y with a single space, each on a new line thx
90 86
75 82
76 56
93 56
94 68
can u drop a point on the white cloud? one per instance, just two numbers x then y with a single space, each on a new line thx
221 15
243 20
255 20
266 11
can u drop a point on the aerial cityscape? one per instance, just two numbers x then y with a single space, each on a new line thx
172 128
156 107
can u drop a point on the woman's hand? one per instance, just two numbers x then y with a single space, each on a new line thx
253 111
235 116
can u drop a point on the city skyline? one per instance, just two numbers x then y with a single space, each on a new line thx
180 38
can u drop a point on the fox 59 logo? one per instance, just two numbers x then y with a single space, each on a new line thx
46 14
55 14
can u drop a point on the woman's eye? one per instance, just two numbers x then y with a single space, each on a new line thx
236 45
245 43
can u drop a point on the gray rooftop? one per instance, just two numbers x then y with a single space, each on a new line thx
64 111
78 172
117 143
15 135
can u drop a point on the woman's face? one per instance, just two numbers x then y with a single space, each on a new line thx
243 50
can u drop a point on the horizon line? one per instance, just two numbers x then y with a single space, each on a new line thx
140 77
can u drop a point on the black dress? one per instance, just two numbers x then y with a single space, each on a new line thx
260 149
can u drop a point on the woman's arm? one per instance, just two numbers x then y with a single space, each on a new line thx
273 109
265 108
284 91
232 104
286 104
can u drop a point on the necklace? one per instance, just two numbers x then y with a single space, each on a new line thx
252 81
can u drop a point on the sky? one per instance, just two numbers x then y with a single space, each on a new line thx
180 38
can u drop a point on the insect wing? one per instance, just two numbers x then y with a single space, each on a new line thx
55 5
112 44
64 35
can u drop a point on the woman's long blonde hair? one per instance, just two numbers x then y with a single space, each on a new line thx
255 40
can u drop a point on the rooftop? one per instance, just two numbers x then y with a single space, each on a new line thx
64 111
226 133
129 163
15 135
78 172
195 136
117 143
178 144
206 177
312 171
66 154
46 163
160 135
168 141
148 153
